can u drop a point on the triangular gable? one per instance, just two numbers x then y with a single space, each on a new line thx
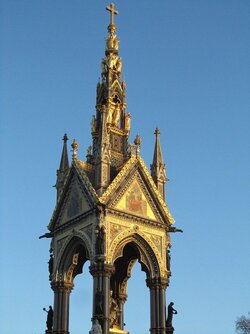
77 197
75 202
135 202
135 165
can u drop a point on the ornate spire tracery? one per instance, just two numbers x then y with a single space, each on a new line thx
64 166
158 167
111 124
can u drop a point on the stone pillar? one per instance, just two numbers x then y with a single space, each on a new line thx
61 306
157 286
122 300
101 273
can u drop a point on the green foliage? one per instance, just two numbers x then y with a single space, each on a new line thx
242 324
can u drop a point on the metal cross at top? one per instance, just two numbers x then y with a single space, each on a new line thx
112 11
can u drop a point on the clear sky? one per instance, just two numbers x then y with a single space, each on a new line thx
187 68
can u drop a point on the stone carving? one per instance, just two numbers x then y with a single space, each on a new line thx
168 260
93 124
100 240
112 42
50 266
127 122
114 310
116 115
109 116
49 321
111 64
96 328
171 311
99 302
157 241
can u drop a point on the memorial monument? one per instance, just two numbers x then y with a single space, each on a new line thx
111 211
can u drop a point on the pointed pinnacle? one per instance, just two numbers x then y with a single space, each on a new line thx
64 164
157 159
65 138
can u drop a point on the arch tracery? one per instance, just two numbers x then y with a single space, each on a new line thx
73 254
149 254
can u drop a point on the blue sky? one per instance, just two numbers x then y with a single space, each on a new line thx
187 69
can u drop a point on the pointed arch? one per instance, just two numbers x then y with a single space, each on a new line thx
145 249
74 253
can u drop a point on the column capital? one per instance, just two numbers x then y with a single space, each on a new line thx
103 269
62 286
157 282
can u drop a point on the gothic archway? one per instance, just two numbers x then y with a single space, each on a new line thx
70 263
129 250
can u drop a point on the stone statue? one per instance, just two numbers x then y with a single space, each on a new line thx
93 124
171 311
127 122
96 328
114 310
89 150
116 115
50 265
98 302
100 240
49 321
168 259
118 65
112 42
109 116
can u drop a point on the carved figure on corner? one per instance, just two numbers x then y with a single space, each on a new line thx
50 265
116 115
100 240
109 116
96 328
99 302
49 321
168 259
114 310
171 311
127 122
93 124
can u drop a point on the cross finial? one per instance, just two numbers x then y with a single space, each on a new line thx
112 11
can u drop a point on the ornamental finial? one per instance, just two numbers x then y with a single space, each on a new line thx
137 143
74 146
65 138
112 11
157 132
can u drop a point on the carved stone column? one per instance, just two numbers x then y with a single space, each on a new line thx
157 286
101 273
122 300
61 307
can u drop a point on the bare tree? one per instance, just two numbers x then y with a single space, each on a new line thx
242 324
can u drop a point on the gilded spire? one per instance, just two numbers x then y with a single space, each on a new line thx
158 168
111 124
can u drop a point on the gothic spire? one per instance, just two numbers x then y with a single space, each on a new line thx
158 168
64 164
63 168
157 159
111 124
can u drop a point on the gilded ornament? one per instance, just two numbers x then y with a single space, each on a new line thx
127 122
